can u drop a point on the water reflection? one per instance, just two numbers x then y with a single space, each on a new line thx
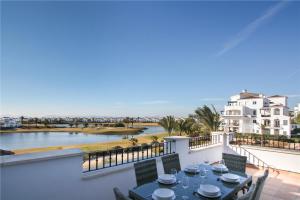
45 139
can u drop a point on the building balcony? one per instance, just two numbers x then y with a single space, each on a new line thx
62 174
232 103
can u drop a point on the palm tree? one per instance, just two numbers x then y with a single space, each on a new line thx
168 123
208 118
181 126
191 127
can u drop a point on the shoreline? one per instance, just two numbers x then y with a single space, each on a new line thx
138 127
99 146
110 131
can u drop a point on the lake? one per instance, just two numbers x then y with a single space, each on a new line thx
11 141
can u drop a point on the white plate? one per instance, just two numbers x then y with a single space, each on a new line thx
231 177
166 177
209 196
191 171
219 169
167 182
163 194
155 198
229 181
210 190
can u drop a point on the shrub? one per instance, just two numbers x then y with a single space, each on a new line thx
119 124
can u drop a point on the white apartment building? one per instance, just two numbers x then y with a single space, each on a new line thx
256 113
8 122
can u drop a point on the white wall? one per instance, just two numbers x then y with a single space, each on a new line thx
284 160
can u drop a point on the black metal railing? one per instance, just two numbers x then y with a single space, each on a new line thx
266 141
202 141
110 158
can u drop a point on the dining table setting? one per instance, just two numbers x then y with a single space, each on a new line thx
195 181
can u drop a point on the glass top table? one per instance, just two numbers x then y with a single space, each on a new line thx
228 190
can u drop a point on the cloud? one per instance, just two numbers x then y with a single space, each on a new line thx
294 73
251 28
155 102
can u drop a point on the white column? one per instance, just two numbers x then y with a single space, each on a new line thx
180 145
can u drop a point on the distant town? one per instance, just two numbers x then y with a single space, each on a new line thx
60 122
246 112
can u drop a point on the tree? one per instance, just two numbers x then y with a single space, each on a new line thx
46 122
76 123
22 120
154 139
181 126
133 141
36 122
297 119
85 124
208 118
126 121
132 121
168 123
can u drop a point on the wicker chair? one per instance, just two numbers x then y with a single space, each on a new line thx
145 171
260 185
249 194
171 162
235 162
119 195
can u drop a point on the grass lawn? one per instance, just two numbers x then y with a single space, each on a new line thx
94 146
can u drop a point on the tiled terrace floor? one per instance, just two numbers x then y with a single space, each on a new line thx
280 185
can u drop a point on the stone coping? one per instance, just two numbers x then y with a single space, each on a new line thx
205 147
176 138
279 150
41 156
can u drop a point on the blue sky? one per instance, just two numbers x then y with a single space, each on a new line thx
144 58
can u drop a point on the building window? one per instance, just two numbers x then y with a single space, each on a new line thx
284 133
254 121
276 132
254 102
285 122
276 111
254 112
277 123
267 122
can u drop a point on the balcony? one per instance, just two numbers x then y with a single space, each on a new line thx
62 174
232 103
266 115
